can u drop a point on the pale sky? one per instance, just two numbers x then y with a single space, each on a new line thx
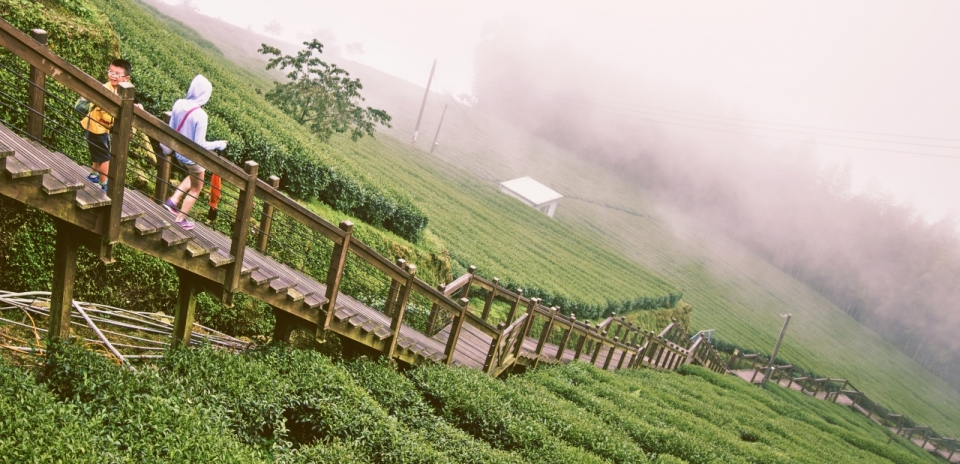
867 66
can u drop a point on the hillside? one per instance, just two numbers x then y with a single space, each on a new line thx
731 289
278 404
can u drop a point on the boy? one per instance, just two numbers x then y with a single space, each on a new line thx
97 125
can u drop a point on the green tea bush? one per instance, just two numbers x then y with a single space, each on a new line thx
36 427
278 397
144 416
399 397
472 401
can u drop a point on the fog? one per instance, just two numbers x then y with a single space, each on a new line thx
880 67
824 136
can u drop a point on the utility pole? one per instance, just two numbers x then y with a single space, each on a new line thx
435 137
426 93
776 348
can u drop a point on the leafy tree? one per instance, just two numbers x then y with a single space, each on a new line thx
321 95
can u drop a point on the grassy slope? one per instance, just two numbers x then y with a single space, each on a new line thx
733 291
278 404
479 225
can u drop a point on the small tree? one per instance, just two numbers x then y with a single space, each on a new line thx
321 96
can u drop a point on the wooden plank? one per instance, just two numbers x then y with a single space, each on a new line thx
281 285
54 186
19 167
91 197
315 301
146 225
197 248
173 236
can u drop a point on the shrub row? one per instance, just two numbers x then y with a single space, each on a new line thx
283 405
398 395
488 410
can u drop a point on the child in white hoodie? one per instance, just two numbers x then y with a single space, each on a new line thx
190 119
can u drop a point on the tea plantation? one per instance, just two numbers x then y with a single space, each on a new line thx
279 404
731 289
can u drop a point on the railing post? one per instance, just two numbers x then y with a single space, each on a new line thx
598 345
472 270
434 312
616 333
492 352
36 93
64 276
692 354
490 296
581 342
266 219
527 324
566 336
547 328
338 259
455 330
613 348
513 308
241 225
119 146
394 290
186 305
632 363
397 321
162 184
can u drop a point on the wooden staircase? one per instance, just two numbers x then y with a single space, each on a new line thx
209 261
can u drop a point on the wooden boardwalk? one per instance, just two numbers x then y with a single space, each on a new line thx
224 264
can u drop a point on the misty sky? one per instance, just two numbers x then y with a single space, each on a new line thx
868 66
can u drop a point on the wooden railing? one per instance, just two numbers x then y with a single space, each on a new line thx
665 350
45 63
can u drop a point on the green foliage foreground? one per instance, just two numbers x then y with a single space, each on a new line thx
285 405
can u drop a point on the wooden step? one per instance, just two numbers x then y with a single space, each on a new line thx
20 166
5 151
294 295
245 271
91 196
405 343
281 285
146 225
370 325
220 258
55 184
174 236
258 277
129 212
438 356
382 332
358 320
198 247
344 313
315 301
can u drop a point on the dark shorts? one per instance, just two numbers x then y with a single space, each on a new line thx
99 146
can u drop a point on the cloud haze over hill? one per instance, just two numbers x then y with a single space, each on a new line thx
825 136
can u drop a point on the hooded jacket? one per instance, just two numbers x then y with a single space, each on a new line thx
195 125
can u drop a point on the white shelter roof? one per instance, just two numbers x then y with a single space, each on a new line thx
532 190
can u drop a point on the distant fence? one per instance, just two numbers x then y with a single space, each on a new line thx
834 389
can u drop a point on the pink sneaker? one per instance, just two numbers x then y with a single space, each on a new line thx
185 224
171 206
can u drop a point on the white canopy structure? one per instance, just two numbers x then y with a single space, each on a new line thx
533 193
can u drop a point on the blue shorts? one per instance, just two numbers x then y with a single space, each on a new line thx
99 145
